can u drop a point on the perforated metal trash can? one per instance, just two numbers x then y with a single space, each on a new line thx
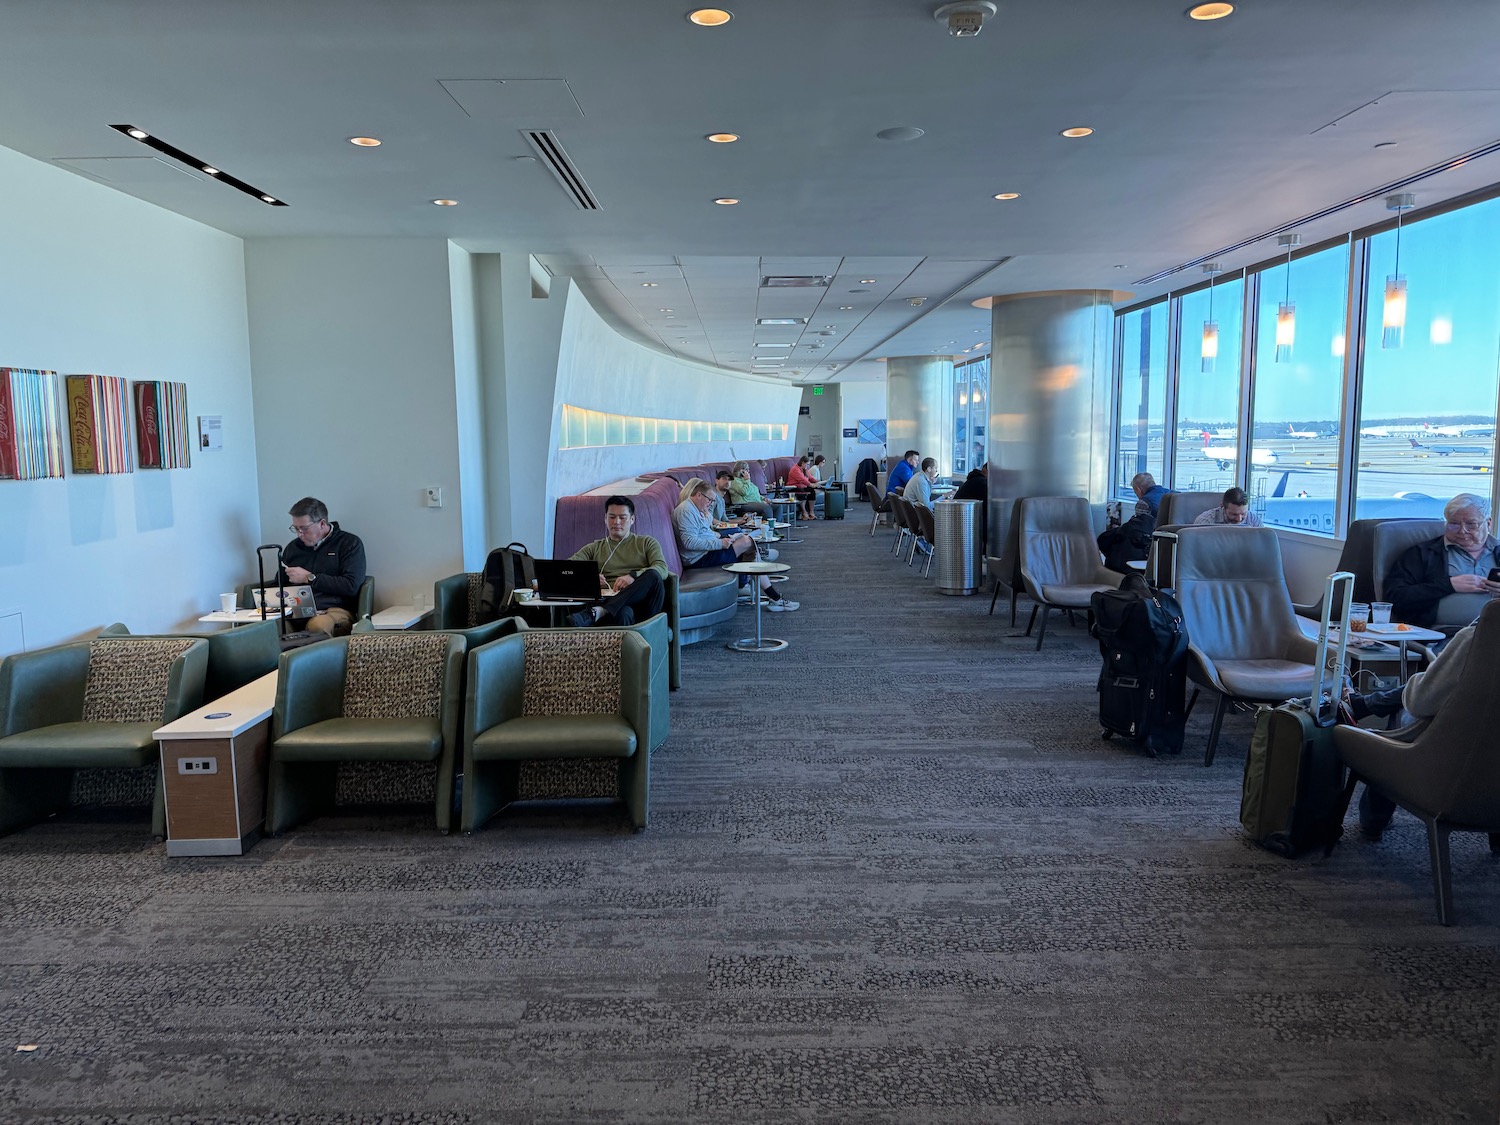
956 525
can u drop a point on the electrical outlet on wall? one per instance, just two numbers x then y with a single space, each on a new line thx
432 497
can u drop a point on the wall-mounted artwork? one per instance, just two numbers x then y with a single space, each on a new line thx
161 425
99 423
30 425
871 431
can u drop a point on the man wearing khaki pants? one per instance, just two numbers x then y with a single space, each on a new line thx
330 560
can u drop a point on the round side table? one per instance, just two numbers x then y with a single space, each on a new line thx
757 643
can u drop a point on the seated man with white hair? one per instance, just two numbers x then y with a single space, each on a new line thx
1446 581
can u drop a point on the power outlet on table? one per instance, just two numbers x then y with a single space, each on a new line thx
197 765
432 497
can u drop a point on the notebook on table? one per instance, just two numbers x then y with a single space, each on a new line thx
298 598
567 579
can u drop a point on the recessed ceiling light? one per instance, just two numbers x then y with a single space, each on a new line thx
867 281
195 162
138 134
710 17
268 198
365 142
781 320
207 171
726 201
1209 11
445 202
664 310
1009 195
900 133
763 345
723 138
1078 131
1386 144
845 308
830 326
648 285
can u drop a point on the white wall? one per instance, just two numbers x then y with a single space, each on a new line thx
598 369
859 399
352 346
94 281
822 421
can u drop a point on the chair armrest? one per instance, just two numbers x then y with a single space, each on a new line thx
452 694
364 598
1302 649
450 602
497 683
1311 609
635 687
1209 674
42 688
310 687
185 680
674 623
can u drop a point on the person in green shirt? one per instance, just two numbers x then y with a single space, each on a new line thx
743 494
632 570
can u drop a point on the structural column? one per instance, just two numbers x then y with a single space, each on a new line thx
1050 393
919 407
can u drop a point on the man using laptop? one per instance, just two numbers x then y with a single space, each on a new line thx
631 566
700 545
329 560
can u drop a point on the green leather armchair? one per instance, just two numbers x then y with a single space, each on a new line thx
89 705
556 696
236 656
369 697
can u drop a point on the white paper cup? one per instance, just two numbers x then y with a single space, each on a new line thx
227 602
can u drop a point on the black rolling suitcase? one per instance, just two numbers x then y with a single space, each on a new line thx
833 504
1143 683
1292 798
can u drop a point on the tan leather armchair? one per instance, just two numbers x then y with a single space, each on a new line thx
1449 775
1370 549
1176 511
1060 563
1244 642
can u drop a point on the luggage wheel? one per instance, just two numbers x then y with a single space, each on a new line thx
1107 735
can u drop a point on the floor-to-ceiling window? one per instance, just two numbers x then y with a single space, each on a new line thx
1208 386
1427 401
971 412
1299 387
1140 426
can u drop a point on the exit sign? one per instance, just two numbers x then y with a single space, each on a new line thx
817 390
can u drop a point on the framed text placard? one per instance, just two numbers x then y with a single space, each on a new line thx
161 425
99 423
31 444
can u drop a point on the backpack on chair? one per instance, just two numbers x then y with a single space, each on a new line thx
506 570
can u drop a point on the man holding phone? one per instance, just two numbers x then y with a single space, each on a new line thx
1446 581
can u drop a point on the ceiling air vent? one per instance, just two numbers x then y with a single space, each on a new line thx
796 282
544 143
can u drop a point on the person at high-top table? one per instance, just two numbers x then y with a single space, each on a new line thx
330 560
1444 582
632 570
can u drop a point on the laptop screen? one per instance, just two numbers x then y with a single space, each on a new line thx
567 579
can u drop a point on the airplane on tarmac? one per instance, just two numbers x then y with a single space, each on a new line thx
1449 450
1227 455
1301 433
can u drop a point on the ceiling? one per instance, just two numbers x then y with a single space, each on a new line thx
1205 134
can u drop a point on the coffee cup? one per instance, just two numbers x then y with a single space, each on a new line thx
1359 617
1380 613
228 602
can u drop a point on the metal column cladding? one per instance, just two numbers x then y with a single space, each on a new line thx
919 408
1050 392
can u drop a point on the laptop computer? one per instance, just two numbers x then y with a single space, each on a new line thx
299 598
567 579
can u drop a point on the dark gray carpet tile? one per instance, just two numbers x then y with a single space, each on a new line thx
893 874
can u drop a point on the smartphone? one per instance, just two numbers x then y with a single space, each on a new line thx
1495 574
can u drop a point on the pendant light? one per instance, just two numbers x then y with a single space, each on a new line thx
1210 350
1286 314
1393 318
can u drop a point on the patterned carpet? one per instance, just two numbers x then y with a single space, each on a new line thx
893 875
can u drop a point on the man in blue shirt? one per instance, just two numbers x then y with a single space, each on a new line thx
1148 492
903 472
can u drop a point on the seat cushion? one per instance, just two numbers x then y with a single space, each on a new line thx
81 744
362 740
557 736
1074 597
1271 680
705 590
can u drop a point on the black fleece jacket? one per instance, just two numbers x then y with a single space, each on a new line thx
1419 580
338 566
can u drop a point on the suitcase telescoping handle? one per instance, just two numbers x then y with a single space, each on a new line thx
1163 543
1326 696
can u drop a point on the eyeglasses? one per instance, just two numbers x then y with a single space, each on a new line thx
1467 525
295 530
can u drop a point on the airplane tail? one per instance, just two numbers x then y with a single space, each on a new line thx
1207 439
1280 489
1415 444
